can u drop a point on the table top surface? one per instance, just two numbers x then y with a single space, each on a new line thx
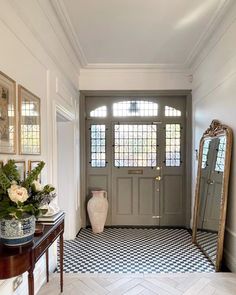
6 252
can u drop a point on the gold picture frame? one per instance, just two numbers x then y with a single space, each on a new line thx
20 164
31 165
215 131
7 115
29 122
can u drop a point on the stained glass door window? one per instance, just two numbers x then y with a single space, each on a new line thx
98 145
135 145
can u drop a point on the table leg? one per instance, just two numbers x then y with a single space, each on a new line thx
47 268
31 281
61 260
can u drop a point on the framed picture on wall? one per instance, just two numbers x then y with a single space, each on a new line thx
21 169
32 165
7 115
29 122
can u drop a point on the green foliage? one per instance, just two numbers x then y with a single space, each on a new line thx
33 175
9 175
11 171
5 183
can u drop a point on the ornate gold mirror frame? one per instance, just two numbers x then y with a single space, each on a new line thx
216 130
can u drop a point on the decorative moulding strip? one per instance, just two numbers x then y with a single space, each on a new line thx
47 54
52 15
138 66
183 72
64 19
212 26
68 28
216 35
63 93
212 90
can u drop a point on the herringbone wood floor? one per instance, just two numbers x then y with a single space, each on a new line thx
162 284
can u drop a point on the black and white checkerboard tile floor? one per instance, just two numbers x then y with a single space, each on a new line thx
134 250
208 242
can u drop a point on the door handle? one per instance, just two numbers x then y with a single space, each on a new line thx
209 181
158 178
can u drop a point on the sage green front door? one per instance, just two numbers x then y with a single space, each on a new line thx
136 151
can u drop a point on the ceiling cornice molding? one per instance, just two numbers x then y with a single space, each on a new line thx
185 67
212 26
137 66
68 28
137 70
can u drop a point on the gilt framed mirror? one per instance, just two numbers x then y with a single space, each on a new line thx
212 190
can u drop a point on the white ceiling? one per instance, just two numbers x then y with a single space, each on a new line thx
151 32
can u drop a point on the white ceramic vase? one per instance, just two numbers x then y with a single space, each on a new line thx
97 210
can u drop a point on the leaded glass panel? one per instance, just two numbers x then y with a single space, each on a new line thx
100 112
220 160
172 112
205 151
98 145
172 153
135 145
135 108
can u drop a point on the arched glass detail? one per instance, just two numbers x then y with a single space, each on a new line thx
100 112
135 108
172 112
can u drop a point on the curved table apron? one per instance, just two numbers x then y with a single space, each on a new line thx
17 260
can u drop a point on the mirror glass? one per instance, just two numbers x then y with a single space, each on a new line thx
211 185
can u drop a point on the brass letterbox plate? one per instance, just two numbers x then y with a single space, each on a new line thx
140 171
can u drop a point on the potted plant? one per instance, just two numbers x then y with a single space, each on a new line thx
21 203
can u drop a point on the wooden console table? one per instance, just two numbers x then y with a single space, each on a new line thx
17 260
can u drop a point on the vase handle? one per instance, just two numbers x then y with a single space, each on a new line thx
105 194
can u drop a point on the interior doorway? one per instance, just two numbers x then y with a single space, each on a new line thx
66 178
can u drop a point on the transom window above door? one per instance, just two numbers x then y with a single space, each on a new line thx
172 112
100 112
135 108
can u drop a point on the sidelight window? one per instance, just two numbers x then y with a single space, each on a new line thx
135 145
98 145
172 152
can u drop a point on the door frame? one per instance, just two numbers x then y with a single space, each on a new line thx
188 136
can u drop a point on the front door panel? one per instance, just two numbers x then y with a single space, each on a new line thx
143 169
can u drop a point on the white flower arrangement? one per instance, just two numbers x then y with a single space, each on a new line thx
20 198
17 193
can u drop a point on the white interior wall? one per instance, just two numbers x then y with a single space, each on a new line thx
214 94
35 52
134 79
